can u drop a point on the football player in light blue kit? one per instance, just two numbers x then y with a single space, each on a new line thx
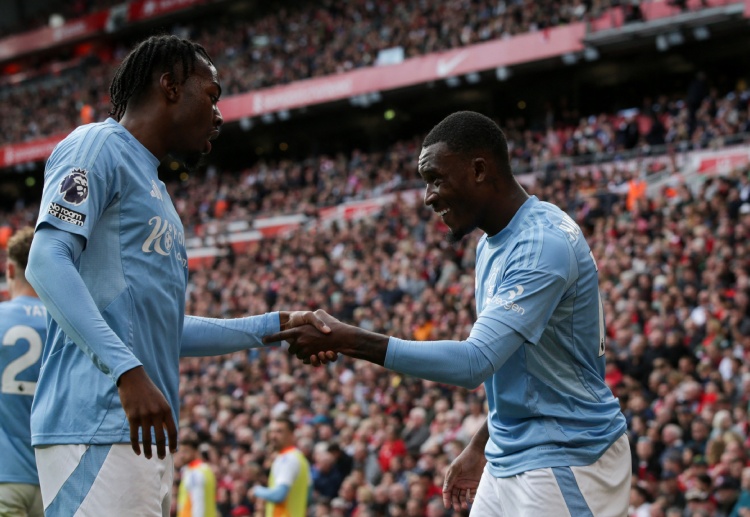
109 261
23 329
555 443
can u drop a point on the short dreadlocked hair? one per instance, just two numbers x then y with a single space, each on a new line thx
467 131
155 54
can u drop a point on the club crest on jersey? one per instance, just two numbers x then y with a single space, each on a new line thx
75 187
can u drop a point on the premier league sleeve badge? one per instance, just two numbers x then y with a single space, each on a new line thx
75 187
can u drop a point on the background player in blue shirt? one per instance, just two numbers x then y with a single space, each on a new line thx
555 442
23 329
109 262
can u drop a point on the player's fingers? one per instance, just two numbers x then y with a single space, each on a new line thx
463 498
316 322
171 433
331 356
448 489
447 500
134 425
314 360
146 436
324 357
456 499
284 335
160 438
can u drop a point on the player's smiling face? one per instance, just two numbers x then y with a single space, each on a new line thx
448 188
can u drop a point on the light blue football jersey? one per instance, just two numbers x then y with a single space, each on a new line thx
102 184
549 405
23 329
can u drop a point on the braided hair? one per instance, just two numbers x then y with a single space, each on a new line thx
157 53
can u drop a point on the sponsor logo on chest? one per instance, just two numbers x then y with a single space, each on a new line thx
165 239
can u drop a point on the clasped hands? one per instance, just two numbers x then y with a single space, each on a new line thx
309 336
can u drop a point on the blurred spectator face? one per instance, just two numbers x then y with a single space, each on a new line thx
396 510
727 491
671 434
637 497
699 430
338 507
417 492
397 493
745 480
364 495
324 460
644 449
736 467
414 508
435 508
381 494
348 490
669 484
699 501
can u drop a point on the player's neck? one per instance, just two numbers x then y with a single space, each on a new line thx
504 212
146 130
18 289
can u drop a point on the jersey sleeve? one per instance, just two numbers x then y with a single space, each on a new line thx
537 275
285 470
78 186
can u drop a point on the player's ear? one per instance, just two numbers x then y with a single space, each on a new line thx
169 86
479 166
11 270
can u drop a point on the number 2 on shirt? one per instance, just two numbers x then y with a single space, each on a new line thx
10 384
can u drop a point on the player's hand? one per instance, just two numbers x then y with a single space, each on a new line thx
146 408
301 327
462 478
289 320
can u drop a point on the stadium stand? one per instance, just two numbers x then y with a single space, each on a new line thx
662 192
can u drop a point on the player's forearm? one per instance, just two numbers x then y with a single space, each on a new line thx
480 438
361 344
461 363
215 336
52 273
448 362
275 495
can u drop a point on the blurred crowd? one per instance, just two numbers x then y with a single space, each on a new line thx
36 18
699 118
675 282
289 44
303 41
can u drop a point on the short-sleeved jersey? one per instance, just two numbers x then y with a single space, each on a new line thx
549 405
101 183
23 329
290 468
197 492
